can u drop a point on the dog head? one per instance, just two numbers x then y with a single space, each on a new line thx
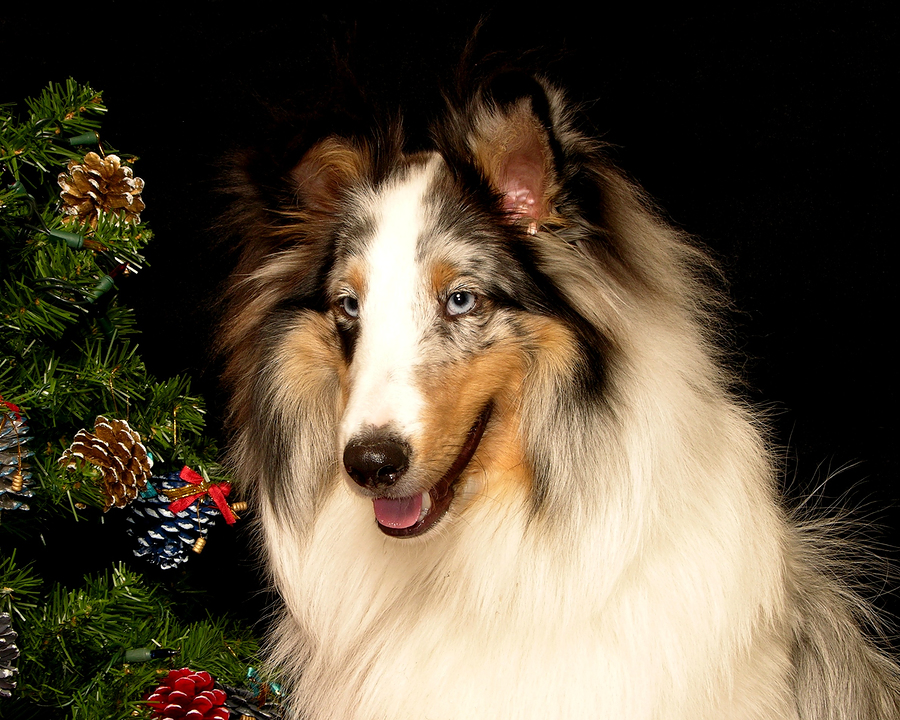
427 326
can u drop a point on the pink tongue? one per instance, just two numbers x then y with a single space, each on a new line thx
398 513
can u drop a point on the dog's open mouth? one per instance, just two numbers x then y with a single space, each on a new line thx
411 516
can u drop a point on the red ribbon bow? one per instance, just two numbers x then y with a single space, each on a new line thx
15 411
217 491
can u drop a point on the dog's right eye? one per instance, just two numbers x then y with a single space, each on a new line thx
459 303
349 305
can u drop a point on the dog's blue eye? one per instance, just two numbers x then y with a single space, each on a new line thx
350 306
460 303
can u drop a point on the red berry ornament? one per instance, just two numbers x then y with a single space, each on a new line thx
190 695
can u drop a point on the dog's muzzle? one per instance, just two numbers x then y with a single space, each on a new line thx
377 462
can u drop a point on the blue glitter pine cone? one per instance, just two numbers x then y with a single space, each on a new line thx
163 537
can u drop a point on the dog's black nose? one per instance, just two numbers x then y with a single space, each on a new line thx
376 463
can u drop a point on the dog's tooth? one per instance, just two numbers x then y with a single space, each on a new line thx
426 505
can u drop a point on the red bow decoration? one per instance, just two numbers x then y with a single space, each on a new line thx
12 408
217 491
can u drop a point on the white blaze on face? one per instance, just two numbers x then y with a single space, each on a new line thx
391 313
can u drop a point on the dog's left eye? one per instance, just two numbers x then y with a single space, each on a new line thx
459 303
349 305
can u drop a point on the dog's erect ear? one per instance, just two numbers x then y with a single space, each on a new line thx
326 171
514 145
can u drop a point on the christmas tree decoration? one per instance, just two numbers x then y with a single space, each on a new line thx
184 497
248 705
144 654
9 653
166 537
120 455
14 478
260 687
100 185
257 701
188 694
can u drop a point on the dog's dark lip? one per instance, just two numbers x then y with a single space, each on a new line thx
442 492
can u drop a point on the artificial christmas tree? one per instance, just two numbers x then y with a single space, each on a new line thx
86 433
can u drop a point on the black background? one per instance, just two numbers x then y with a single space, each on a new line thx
768 133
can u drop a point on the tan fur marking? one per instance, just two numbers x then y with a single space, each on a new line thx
460 391
308 360
443 275
357 278
309 384
555 346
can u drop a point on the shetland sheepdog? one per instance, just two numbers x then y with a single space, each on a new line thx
499 464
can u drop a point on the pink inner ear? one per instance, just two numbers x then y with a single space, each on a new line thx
522 184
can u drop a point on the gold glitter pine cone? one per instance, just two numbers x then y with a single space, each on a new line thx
100 185
119 454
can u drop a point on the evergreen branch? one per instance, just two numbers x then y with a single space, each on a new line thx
19 586
102 376
78 633
219 647
173 420
23 311
61 489
80 636
42 140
